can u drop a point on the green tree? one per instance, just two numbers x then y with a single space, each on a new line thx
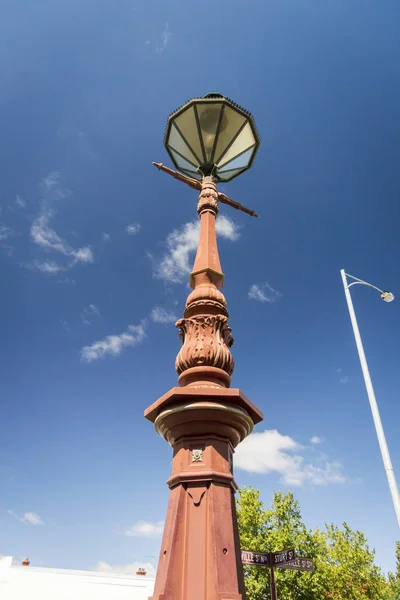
349 565
345 568
394 578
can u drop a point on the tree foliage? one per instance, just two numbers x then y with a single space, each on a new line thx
345 568
394 578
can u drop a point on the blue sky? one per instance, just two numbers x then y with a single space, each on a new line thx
94 243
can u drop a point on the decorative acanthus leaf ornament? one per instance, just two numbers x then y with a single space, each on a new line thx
206 341
208 199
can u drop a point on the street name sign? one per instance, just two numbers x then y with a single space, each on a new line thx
299 564
285 559
284 556
260 559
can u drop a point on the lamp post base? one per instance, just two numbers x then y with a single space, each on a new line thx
200 552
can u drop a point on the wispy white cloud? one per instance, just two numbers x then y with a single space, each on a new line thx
114 344
162 44
42 235
45 266
19 201
130 569
67 281
160 315
144 529
83 255
29 518
181 244
263 292
52 191
45 237
272 452
52 188
89 313
106 237
133 228
315 440
5 232
342 377
227 228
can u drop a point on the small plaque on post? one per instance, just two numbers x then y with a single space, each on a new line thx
197 455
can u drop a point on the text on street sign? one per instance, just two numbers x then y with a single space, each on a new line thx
255 558
283 557
299 564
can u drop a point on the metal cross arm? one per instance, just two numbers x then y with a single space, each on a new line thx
196 185
225 200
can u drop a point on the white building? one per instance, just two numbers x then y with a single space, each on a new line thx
36 583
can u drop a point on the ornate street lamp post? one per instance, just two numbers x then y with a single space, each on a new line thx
209 139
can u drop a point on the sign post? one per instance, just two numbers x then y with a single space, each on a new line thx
278 559
272 584
285 559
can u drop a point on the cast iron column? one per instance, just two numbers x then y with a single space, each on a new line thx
204 420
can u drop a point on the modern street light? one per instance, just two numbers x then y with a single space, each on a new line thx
386 297
209 139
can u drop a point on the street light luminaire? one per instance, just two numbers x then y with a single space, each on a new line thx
387 296
211 136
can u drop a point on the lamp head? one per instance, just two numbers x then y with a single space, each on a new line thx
211 136
387 296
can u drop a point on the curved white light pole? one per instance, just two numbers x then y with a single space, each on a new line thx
387 297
